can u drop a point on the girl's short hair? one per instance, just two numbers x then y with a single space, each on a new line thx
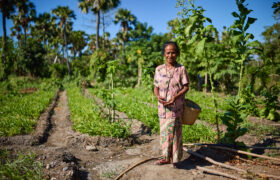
170 43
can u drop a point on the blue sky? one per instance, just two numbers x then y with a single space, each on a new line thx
158 12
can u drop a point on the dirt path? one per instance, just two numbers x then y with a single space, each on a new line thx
67 154
61 126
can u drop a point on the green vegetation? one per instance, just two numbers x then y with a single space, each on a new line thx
260 129
232 75
133 109
86 116
21 110
45 45
19 166
133 102
199 133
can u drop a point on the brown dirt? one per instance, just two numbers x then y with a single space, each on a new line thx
28 90
66 154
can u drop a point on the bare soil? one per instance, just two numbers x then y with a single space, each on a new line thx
66 154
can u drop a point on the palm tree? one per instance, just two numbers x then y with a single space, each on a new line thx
44 27
64 15
26 14
141 31
78 42
126 19
276 7
16 29
7 7
96 6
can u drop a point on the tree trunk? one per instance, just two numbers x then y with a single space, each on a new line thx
65 47
139 74
97 29
4 39
103 28
25 31
205 83
240 77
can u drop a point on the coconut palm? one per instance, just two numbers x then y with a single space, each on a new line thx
64 16
97 6
126 19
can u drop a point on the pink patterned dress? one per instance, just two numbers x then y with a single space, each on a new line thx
170 82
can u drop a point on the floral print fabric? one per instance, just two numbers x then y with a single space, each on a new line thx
169 84
171 139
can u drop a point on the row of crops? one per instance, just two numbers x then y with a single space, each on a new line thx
87 117
20 109
140 104
22 101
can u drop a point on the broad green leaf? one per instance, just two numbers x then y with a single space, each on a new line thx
236 38
249 22
248 36
200 47
209 20
193 39
188 30
193 19
254 44
235 14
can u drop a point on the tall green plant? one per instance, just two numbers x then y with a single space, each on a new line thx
98 65
241 44
111 69
203 39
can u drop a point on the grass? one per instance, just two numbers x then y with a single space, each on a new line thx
20 166
86 116
109 174
260 129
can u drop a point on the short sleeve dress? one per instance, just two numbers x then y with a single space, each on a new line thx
170 83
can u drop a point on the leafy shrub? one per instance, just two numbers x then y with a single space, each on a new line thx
98 65
233 119
58 70
270 104
248 102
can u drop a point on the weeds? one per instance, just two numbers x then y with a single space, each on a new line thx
20 166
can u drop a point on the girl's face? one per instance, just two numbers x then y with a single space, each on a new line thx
170 54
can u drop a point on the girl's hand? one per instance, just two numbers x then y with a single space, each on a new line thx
161 100
170 102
